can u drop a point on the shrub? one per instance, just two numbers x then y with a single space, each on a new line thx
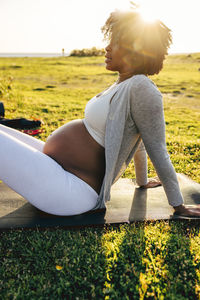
87 52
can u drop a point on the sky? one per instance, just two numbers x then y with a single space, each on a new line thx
47 26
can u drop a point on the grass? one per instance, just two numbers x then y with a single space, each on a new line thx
145 260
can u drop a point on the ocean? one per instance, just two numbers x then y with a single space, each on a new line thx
32 54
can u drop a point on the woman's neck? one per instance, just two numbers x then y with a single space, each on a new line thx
124 76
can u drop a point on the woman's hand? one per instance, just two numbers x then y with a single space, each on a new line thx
188 210
154 182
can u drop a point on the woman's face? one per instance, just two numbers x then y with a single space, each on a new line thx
116 58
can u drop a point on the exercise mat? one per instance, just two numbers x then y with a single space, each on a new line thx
128 204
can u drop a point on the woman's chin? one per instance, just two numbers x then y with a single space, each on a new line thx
109 67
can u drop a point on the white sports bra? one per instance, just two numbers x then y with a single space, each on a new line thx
96 113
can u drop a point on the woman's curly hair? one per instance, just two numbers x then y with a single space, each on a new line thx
148 42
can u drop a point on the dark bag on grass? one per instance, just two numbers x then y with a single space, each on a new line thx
20 123
2 110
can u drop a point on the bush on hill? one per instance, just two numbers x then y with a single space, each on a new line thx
88 52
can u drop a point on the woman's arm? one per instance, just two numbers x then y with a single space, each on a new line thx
147 112
140 164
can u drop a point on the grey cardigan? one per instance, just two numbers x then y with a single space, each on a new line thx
136 113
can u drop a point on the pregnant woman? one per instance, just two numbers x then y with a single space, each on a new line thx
74 170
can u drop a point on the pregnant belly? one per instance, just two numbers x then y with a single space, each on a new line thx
77 152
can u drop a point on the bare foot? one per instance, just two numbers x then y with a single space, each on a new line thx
154 182
188 210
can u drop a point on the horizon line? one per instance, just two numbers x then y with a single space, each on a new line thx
60 53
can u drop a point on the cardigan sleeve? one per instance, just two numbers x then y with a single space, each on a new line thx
140 164
147 113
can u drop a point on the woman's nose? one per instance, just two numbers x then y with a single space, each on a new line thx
108 47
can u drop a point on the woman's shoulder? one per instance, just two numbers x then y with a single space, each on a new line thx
142 83
141 79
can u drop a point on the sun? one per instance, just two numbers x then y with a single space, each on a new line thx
150 10
148 14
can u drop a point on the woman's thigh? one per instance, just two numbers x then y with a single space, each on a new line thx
41 180
25 138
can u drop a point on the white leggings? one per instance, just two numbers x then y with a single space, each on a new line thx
40 179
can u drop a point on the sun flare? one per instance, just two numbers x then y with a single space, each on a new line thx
148 14
150 10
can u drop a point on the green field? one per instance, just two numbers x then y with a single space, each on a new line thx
146 260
